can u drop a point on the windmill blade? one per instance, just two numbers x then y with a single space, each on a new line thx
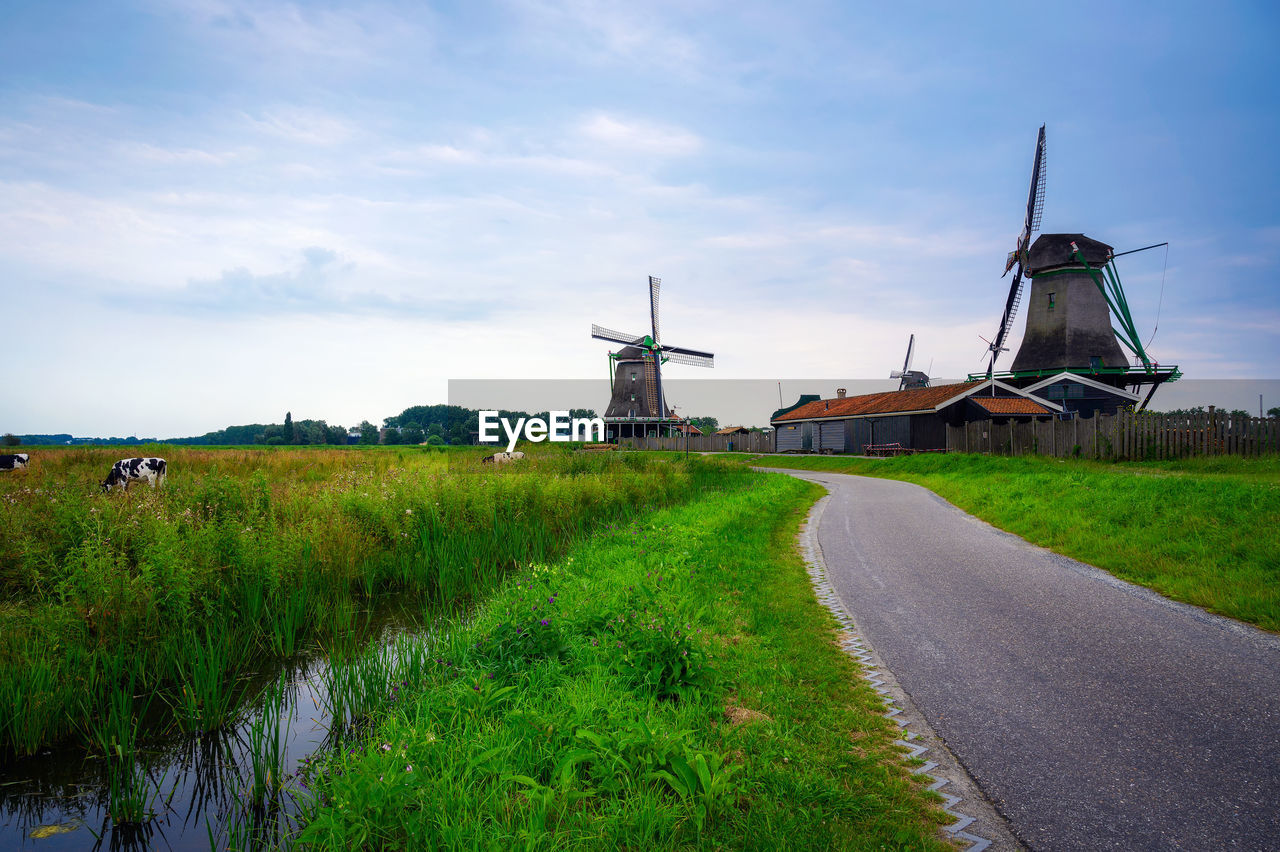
911 345
654 285
1030 224
1006 321
1035 198
599 332
680 350
691 360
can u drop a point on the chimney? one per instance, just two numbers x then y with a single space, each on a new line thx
840 392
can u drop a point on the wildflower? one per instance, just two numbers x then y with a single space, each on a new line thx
545 622
409 768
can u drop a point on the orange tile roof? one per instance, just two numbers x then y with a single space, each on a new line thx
1010 405
887 402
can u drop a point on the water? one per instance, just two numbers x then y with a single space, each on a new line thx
57 799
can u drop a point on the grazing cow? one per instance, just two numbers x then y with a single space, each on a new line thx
14 461
135 470
502 458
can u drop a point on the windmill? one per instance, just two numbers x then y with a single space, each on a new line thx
1077 317
638 399
910 378
1018 257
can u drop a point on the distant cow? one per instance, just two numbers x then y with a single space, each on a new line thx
502 458
14 461
123 472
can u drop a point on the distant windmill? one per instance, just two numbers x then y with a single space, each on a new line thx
1018 257
638 398
910 378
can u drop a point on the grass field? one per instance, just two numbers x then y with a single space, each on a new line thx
624 650
671 684
171 594
1202 531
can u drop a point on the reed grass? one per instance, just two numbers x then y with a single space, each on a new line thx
267 550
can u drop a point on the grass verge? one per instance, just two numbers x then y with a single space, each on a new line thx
673 683
1201 531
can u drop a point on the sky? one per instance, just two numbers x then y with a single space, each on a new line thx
213 212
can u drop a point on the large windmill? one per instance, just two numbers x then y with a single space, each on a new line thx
1077 318
638 405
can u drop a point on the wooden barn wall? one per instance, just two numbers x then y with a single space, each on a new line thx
891 430
928 432
859 435
789 438
830 436
1130 435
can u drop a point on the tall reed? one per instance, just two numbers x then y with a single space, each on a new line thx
246 553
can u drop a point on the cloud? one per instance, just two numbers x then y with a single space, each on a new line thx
640 136
310 127
314 287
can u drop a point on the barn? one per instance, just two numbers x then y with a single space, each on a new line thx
915 418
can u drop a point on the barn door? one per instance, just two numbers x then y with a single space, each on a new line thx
806 437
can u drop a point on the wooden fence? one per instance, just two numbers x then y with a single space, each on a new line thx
1133 435
752 442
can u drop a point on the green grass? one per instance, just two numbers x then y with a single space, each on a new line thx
1201 531
243 555
672 683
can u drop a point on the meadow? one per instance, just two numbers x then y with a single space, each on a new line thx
1200 530
173 594
613 650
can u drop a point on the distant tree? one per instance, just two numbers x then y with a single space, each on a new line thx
435 441
1239 413
392 436
706 424
412 434
11 440
336 435
1274 412
368 432
289 435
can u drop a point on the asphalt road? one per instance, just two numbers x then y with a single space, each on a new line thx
1093 713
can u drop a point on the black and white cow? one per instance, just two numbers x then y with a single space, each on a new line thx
152 470
502 458
14 461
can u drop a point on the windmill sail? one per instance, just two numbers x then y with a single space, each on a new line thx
1030 224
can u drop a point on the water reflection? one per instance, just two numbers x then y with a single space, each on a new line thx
235 787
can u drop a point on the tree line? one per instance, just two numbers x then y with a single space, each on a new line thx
437 425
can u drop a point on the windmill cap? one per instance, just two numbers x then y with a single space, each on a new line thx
1053 251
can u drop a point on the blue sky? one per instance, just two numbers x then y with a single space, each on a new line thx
214 211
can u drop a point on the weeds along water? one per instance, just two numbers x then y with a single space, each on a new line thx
129 619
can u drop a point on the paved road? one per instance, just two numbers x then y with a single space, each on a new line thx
1095 714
